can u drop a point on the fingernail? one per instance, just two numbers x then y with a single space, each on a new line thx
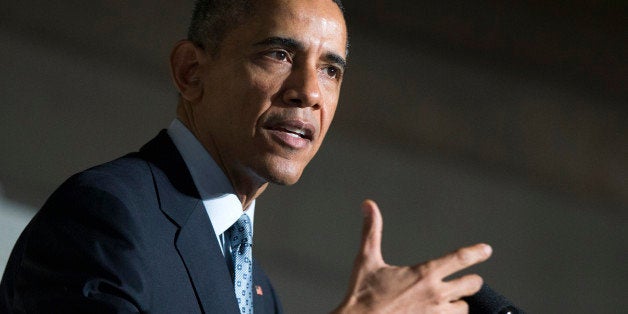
488 249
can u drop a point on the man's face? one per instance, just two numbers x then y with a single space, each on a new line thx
271 90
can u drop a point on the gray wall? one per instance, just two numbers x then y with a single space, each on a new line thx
455 145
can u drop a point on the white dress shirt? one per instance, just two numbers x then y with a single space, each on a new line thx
222 205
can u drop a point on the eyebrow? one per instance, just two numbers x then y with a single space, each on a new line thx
280 41
334 58
296 45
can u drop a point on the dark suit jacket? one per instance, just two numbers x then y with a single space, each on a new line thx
128 236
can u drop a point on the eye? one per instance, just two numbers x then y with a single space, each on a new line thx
279 55
332 71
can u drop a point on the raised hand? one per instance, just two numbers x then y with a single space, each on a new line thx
377 287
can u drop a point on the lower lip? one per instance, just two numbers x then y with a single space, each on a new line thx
289 139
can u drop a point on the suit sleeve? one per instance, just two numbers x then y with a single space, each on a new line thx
80 254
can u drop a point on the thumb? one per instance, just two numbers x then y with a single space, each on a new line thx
370 249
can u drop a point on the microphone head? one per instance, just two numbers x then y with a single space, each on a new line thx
487 301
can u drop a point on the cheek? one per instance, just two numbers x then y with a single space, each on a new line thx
261 82
258 91
328 117
328 110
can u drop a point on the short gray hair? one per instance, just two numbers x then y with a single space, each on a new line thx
213 19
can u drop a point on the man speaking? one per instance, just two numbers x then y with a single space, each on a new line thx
169 229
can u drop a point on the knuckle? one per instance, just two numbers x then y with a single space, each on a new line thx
433 295
431 290
364 255
440 297
425 269
465 256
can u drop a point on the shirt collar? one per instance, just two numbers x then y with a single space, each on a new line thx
221 203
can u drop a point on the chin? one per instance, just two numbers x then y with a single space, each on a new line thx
284 179
286 175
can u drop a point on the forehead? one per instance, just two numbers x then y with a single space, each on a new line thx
313 21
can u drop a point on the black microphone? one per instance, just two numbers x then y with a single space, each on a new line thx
487 301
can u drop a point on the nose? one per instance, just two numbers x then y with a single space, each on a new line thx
302 88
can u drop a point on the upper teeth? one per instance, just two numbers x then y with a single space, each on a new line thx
295 130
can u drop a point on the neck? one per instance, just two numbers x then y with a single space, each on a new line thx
247 198
247 187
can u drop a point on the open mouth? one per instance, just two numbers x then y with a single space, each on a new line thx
296 128
294 131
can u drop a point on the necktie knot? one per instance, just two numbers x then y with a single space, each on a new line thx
241 235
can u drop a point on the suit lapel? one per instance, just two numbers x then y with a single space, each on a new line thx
206 265
195 242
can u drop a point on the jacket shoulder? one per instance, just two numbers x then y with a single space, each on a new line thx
128 173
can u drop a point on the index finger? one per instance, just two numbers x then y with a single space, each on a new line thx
459 260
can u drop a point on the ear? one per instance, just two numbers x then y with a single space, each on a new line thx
184 68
